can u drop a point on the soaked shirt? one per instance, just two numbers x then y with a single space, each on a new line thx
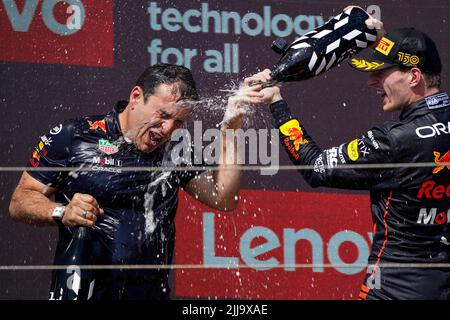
140 205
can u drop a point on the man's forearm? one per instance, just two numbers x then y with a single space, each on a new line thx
32 207
227 178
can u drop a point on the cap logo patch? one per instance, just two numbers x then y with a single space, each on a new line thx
408 59
385 46
365 65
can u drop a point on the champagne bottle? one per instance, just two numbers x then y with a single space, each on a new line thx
324 47
74 283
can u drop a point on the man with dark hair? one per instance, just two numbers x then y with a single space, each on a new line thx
130 213
410 204
159 74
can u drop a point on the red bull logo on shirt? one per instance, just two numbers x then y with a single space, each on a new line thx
292 130
440 160
101 124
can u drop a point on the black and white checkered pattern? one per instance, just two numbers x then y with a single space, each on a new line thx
326 46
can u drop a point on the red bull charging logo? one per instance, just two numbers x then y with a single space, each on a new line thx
98 125
292 130
440 160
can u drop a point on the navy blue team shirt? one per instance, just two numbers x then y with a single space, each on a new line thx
138 224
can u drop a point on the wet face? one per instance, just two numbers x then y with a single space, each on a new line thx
151 123
393 87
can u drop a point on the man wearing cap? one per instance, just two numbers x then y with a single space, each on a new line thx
410 204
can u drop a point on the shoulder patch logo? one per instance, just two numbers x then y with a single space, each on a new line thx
292 130
107 147
56 130
440 161
101 124
352 150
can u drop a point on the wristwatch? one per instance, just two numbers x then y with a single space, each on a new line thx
58 213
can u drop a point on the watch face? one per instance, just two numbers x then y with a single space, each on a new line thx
58 212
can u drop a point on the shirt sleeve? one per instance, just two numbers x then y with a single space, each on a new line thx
373 149
53 150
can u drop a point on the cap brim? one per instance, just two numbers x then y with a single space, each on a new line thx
368 66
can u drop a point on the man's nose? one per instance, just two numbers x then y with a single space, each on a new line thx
168 126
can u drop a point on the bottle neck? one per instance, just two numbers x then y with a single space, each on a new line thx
81 233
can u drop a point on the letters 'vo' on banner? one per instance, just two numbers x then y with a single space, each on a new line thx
72 32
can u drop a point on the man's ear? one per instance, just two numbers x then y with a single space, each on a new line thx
416 77
136 95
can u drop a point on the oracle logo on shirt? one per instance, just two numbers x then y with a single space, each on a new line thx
435 129
73 32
